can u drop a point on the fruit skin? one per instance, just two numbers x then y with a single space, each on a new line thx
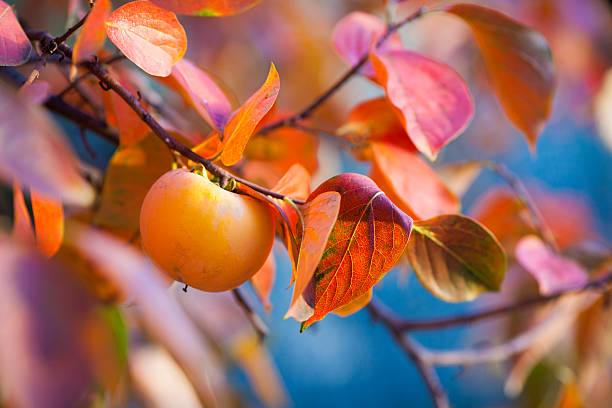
202 235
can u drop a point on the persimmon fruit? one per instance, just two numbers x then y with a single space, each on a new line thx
202 235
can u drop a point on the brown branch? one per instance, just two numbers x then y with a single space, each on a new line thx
258 324
308 110
71 30
415 352
435 324
111 83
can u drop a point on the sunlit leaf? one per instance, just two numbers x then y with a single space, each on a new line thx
368 238
320 214
203 93
130 173
263 281
134 275
456 258
432 101
91 37
22 223
355 36
15 48
268 157
206 7
35 153
355 306
48 222
553 272
410 183
374 121
458 177
519 63
295 183
243 124
53 340
151 37
131 127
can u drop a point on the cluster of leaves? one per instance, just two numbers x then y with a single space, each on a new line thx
342 238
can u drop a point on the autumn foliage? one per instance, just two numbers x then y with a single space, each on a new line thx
181 181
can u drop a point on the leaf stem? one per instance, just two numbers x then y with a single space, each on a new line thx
308 110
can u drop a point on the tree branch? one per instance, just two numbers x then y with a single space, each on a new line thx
415 352
256 322
96 69
435 324
308 110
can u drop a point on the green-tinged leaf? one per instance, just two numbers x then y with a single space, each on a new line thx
131 172
519 63
244 123
151 37
207 8
368 238
35 152
54 344
456 258
320 215
15 47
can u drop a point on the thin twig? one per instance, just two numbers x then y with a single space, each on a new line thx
308 110
525 199
435 324
258 324
108 81
414 351
71 30
81 77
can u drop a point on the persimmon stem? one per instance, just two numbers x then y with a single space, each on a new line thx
414 351
258 324
109 81
308 110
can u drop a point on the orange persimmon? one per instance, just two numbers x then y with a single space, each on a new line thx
202 235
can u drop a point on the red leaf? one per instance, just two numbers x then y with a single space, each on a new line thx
410 183
432 101
149 36
519 63
355 306
22 223
553 272
92 36
367 240
207 7
242 126
15 48
320 214
203 93
48 223
356 35
374 121
263 281
35 153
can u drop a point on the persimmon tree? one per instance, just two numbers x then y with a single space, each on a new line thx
76 275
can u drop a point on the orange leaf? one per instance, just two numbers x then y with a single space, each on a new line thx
36 154
366 241
149 36
22 223
263 281
432 101
519 63
242 126
48 222
375 121
410 183
320 215
207 7
355 306
131 127
295 183
92 36
16 47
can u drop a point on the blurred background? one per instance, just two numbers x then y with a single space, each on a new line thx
353 361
